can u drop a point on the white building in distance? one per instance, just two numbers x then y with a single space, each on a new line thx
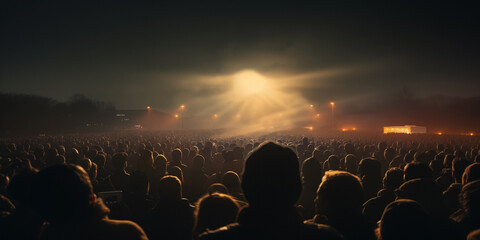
407 129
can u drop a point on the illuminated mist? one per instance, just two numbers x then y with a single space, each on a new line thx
249 103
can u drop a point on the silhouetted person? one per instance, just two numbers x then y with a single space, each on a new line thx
271 184
173 216
311 177
339 204
63 196
415 170
214 211
138 200
231 180
351 163
23 222
196 179
332 163
404 219
369 171
427 193
469 216
176 160
471 173
120 178
373 208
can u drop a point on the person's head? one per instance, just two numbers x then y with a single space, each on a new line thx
417 170
119 161
145 163
333 162
369 168
389 154
312 171
470 199
471 173
161 164
458 167
339 193
271 177
215 210
177 172
231 180
169 188
19 188
351 163
393 178
404 219
63 193
139 184
349 148
100 160
447 161
217 188
424 191
176 156
198 162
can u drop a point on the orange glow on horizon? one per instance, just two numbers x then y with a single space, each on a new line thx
309 128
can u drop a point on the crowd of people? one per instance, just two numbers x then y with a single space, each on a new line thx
193 186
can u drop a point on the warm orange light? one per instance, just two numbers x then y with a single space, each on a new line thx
148 108
311 105
440 133
176 116
310 128
332 103
354 129
471 134
215 116
344 129
317 115
182 107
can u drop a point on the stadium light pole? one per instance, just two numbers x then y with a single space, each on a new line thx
332 104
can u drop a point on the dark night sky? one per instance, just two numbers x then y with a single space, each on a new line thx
137 54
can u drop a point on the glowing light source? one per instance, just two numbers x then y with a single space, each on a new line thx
440 133
148 108
310 128
176 116
182 107
215 116
249 82
332 104
311 105
471 134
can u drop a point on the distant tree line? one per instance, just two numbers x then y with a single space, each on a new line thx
23 114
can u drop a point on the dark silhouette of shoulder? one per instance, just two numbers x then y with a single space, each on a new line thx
236 231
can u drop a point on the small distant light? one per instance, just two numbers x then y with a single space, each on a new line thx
311 105
344 129
332 103
310 128
182 106
176 116
471 134
149 108
440 133
354 129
